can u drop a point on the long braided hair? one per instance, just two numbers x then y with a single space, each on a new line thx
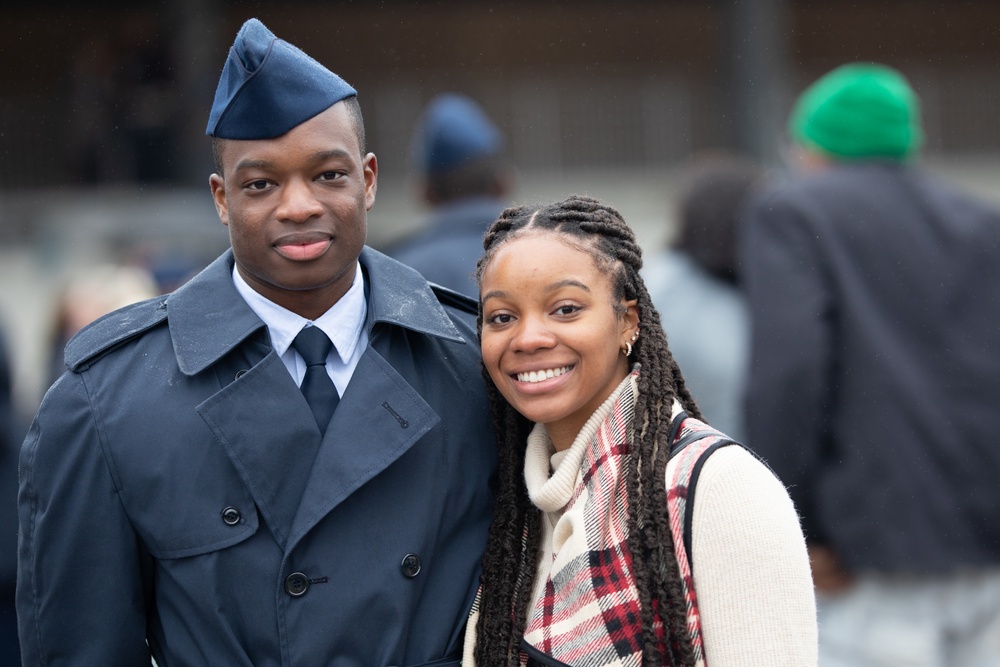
510 561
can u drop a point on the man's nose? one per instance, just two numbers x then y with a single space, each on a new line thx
298 202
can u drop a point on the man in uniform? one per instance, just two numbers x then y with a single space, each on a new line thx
875 378
182 498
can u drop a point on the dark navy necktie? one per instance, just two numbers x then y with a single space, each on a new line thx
318 388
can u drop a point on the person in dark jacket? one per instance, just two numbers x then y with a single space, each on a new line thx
464 181
874 290
182 499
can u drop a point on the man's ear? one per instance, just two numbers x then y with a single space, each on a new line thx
218 186
370 166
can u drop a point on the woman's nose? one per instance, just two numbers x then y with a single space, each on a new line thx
533 334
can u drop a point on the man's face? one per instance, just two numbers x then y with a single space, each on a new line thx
297 210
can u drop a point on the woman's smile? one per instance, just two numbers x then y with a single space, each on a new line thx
542 375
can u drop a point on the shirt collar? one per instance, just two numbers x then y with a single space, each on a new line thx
208 318
342 323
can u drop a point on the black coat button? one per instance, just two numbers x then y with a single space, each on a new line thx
296 584
410 565
231 516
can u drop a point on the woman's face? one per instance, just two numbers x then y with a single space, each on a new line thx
553 331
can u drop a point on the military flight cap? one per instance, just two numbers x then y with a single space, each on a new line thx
269 86
453 130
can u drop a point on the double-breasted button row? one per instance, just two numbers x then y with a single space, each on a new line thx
297 583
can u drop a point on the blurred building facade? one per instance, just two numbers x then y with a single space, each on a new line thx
103 106
576 84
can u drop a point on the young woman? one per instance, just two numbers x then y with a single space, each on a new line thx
580 568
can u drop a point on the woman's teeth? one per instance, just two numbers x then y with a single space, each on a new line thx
538 376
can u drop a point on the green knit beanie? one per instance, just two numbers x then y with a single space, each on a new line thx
859 111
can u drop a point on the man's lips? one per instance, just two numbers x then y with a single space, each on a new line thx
303 247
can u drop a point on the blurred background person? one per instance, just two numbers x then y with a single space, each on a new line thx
11 431
694 284
89 294
874 292
464 180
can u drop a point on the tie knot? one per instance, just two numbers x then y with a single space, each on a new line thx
313 345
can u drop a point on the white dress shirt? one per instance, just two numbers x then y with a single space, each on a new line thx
343 323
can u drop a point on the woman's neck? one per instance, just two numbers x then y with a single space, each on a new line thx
562 438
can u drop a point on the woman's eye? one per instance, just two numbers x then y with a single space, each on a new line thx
567 310
500 318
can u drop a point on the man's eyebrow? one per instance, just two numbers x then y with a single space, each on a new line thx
253 164
319 156
332 153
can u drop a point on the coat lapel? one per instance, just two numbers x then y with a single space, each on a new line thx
378 419
258 416
267 429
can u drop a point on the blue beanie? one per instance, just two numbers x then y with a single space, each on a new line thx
452 131
268 87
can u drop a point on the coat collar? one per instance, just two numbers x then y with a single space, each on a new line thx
208 318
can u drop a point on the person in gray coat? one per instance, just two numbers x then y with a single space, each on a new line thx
694 284
874 291
182 499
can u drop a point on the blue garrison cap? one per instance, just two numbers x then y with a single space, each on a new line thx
269 86
453 130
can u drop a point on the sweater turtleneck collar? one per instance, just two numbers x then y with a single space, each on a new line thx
552 492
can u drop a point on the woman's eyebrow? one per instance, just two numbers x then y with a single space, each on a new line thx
493 294
568 282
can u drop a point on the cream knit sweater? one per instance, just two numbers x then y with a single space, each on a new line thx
751 570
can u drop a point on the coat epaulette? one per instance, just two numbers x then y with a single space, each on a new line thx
110 331
452 299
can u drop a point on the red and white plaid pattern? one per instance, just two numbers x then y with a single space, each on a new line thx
679 473
588 615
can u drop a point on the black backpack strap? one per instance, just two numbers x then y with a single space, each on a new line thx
675 427
682 440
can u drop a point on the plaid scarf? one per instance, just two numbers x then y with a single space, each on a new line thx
588 614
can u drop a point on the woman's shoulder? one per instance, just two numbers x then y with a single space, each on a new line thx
750 566
735 473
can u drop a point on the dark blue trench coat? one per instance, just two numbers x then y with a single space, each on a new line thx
176 498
